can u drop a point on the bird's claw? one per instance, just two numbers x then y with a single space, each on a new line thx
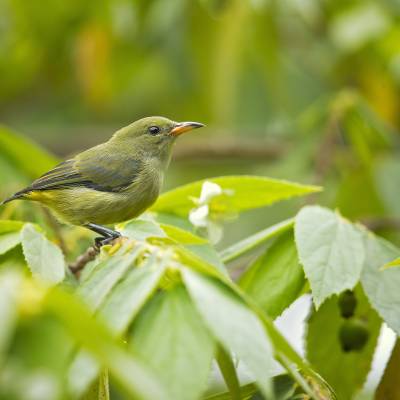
102 241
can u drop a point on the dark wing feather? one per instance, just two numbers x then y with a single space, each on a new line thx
99 169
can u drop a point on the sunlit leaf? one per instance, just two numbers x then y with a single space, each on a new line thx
381 285
276 278
246 192
141 229
44 258
182 236
330 249
170 336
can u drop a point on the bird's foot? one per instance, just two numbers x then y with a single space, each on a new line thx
102 241
107 235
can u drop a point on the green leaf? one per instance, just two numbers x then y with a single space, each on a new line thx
141 229
21 151
247 192
9 240
382 285
312 383
9 235
389 387
208 254
346 371
129 296
276 278
228 371
251 242
234 325
105 276
13 259
182 236
330 249
170 336
128 373
118 310
44 258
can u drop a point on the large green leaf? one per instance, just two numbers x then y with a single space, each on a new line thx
26 155
381 285
251 242
276 278
118 310
127 371
129 296
106 275
244 193
234 325
44 258
330 249
346 371
170 336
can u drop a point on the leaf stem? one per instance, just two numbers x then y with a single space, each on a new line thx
251 242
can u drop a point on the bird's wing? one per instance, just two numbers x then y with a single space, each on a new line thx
95 169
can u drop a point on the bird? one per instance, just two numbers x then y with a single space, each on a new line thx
112 182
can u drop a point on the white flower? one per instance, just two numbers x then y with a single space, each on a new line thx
198 216
209 190
203 216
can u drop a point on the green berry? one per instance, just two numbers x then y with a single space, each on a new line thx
347 304
353 335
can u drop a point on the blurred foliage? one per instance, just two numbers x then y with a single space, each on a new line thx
306 90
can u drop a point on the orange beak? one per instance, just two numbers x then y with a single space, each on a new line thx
182 127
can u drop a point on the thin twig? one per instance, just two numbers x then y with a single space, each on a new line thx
80 263
380 224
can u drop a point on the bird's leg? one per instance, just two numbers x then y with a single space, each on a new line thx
107 234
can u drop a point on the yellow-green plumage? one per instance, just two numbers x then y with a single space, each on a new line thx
111 182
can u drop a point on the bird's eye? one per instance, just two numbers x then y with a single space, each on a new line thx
154 130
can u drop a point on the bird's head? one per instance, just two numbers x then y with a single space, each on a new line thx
155 131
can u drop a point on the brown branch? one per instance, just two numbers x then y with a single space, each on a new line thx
229 148
383 223
80 263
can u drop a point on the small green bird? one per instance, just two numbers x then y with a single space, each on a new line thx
112 182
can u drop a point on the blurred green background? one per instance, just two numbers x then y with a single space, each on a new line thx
306 90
